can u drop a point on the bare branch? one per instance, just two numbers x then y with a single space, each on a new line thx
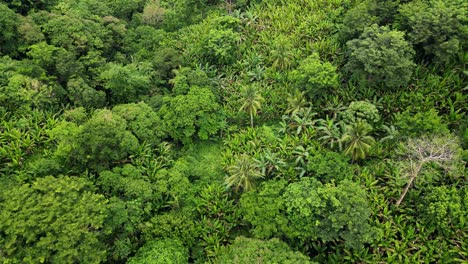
437 149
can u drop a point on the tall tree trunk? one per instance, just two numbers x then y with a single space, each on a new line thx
251 119
414 174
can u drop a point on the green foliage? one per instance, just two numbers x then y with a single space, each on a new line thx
75 33
361 111
444 209
439 27
427 122
213 202
328 166
98 144
180 13
44 55
28 33
357 141
125 8
196 114
8 30
25 6
173 184
251 101
263 209
127 183
126 83
177 225
249 250
123 225
186 78
356 20
243 174
80 93
220 46
168 251
328 212
214 41
52 220
315 77
22 94
148 99
218 217
364 15
381 56
282 53
23 136
142 121
205 163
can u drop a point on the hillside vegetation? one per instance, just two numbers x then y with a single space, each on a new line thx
233 131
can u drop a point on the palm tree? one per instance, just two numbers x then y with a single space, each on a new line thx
357 140
282 53
243 174
252 101
303 120
269 163
329 132
296 101
391 134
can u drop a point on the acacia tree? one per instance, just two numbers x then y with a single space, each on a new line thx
439 150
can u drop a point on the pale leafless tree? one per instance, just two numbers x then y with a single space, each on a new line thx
421 151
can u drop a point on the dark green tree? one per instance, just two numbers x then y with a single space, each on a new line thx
142 121
126 84
100 143
328 212
439 27
196 114
8 30
263 208
381 56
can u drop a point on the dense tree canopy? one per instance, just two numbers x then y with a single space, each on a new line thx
382 56
53 220
233 131
248 250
